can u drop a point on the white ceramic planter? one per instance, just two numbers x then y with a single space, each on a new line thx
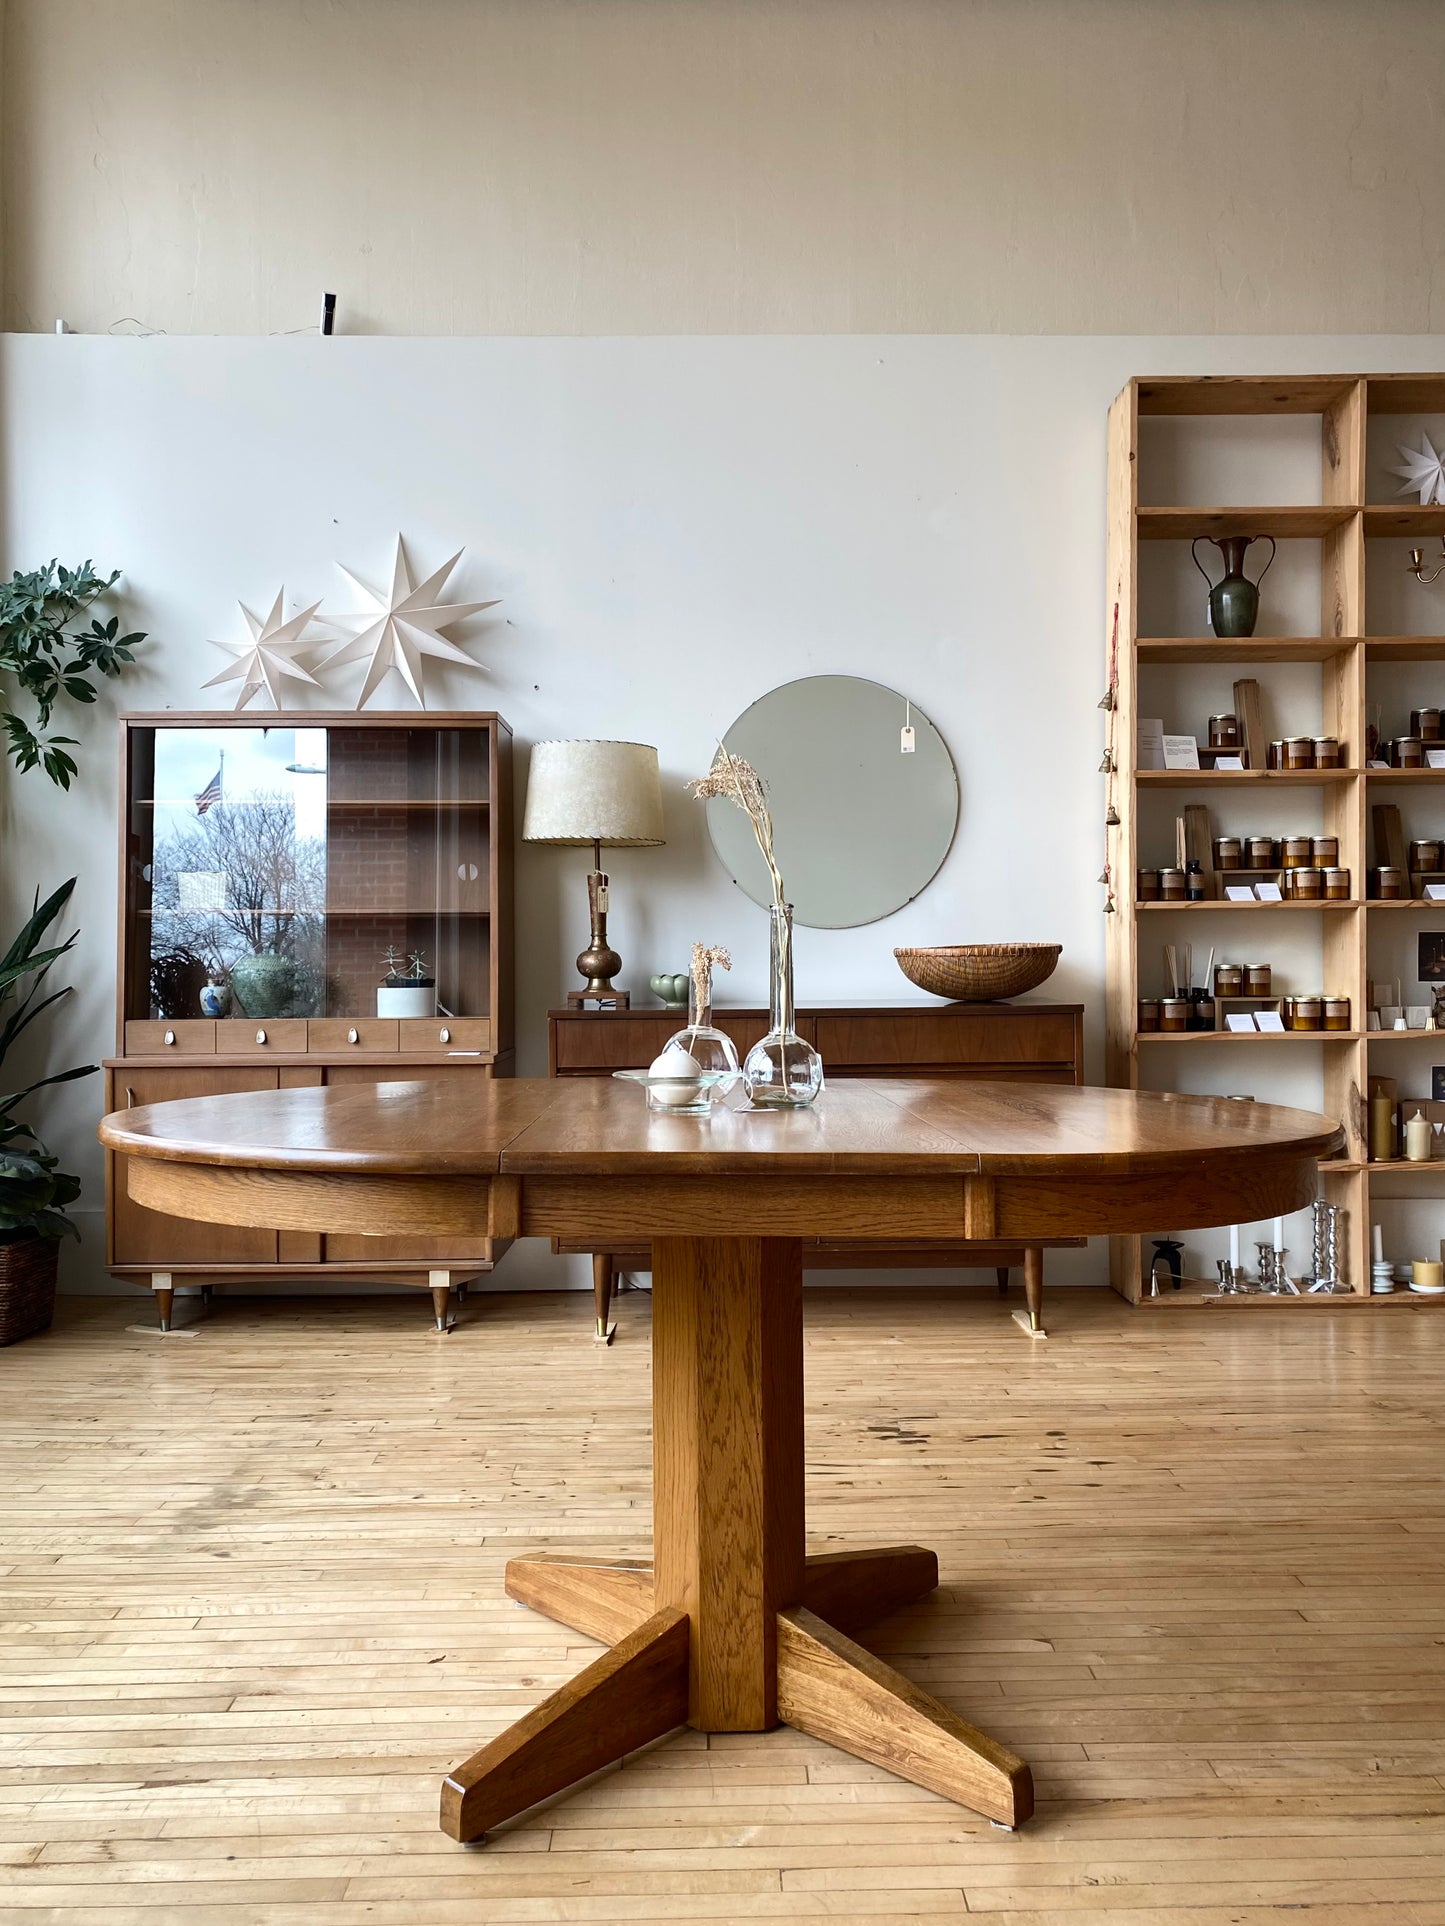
402 1000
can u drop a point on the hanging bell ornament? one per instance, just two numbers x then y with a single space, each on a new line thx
1103 876
1111 821
1106 700
1109 906
1106 767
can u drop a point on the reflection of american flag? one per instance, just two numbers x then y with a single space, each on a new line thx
210 794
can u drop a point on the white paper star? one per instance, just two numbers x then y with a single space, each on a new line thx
1425 471
270 654
399 630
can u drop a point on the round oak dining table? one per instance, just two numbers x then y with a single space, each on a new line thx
732 1626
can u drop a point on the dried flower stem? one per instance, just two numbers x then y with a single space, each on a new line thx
703 960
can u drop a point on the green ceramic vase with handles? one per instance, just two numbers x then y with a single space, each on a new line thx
672 990
1234 599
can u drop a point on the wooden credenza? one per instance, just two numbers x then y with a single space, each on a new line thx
1021 1042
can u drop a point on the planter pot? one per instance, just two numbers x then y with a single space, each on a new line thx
27 1287
406 1000
265 986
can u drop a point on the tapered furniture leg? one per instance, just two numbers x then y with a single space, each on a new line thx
834 1690
1034 1285
165 1297
441 1296
604 1274
625 1699
727 1462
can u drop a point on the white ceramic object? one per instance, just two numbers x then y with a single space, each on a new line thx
674 1079
406 1000
1419 1139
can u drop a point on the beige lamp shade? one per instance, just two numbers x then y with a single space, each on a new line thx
593 792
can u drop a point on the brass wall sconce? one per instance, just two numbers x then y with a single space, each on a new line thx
1416 565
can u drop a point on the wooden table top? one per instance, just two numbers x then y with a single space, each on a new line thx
586 1128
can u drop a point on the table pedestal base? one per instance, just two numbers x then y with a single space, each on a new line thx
731 1628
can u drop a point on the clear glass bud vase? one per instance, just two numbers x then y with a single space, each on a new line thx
712 1048
782 1071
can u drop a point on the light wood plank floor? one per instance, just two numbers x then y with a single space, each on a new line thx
1194 1569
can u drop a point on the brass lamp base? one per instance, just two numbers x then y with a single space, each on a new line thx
599 962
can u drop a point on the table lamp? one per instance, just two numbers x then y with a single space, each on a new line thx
595 792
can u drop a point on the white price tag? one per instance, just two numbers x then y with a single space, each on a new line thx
905 739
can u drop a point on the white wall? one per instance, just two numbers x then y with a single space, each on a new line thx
675 526
671 166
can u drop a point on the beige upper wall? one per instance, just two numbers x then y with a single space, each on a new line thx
641 166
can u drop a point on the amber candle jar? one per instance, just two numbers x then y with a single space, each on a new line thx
1425 855
1147 886
1228 852
1303 1012
1307 885
1228 979
1148 1013
1224 732
1174 1013
1257 979
1425 723
1171 886
1325 850
1274 755
1390 885
1336 1013
1328 752
1337 885
1408 752
1259 852
1299 752
1296 852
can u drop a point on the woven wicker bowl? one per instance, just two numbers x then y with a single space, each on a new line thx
980 972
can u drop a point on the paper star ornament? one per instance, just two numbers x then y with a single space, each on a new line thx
399 629
1425 471
269 655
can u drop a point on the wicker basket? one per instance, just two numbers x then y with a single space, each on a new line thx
27 1287
980 972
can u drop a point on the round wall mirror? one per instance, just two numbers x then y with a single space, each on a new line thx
860 824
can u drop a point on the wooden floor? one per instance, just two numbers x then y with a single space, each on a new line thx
1194 1569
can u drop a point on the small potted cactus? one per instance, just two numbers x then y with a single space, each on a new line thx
406 990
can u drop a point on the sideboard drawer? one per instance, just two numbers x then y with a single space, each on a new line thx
351 1033
186 1036
942 1040
252 1036
446 1033
630 1040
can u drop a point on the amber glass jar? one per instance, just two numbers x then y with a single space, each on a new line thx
1337 885
1328 753
1147 886
1228 979
1425 723
1324 850
1148 1013
1407 752
1296 852
1224 732
1228 852
1390 885
1259 852
1174 1014
1336 1013
1257 979
1303 1012
1306 885
1171 886
1425 854
1274 755
1299 752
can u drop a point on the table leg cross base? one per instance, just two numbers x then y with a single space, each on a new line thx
827 1686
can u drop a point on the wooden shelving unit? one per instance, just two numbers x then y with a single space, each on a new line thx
1342 522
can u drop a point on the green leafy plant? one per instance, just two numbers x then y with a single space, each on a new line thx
49 657
33 1190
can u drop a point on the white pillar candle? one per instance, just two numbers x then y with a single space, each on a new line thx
1234 1245
1377 1246
1279 1233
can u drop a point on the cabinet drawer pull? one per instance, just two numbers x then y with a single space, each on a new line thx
129 1097
170 1036
260 1036
444 1035
353 1036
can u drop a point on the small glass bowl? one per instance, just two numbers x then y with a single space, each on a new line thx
676 1096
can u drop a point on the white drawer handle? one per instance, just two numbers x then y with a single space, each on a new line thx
170 1036
446 1036
260 1036
352 1036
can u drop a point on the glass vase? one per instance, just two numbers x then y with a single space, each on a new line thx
711 1048
782 1071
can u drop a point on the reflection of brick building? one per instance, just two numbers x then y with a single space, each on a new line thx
393 854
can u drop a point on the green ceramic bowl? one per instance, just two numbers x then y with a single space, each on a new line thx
671 989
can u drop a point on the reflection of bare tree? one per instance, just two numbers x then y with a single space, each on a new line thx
275 880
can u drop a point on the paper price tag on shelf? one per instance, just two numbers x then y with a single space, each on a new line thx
1269 892
1435 758
1435 892
1181 752
1239 893
1237 1020
1269 1021
1229 762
